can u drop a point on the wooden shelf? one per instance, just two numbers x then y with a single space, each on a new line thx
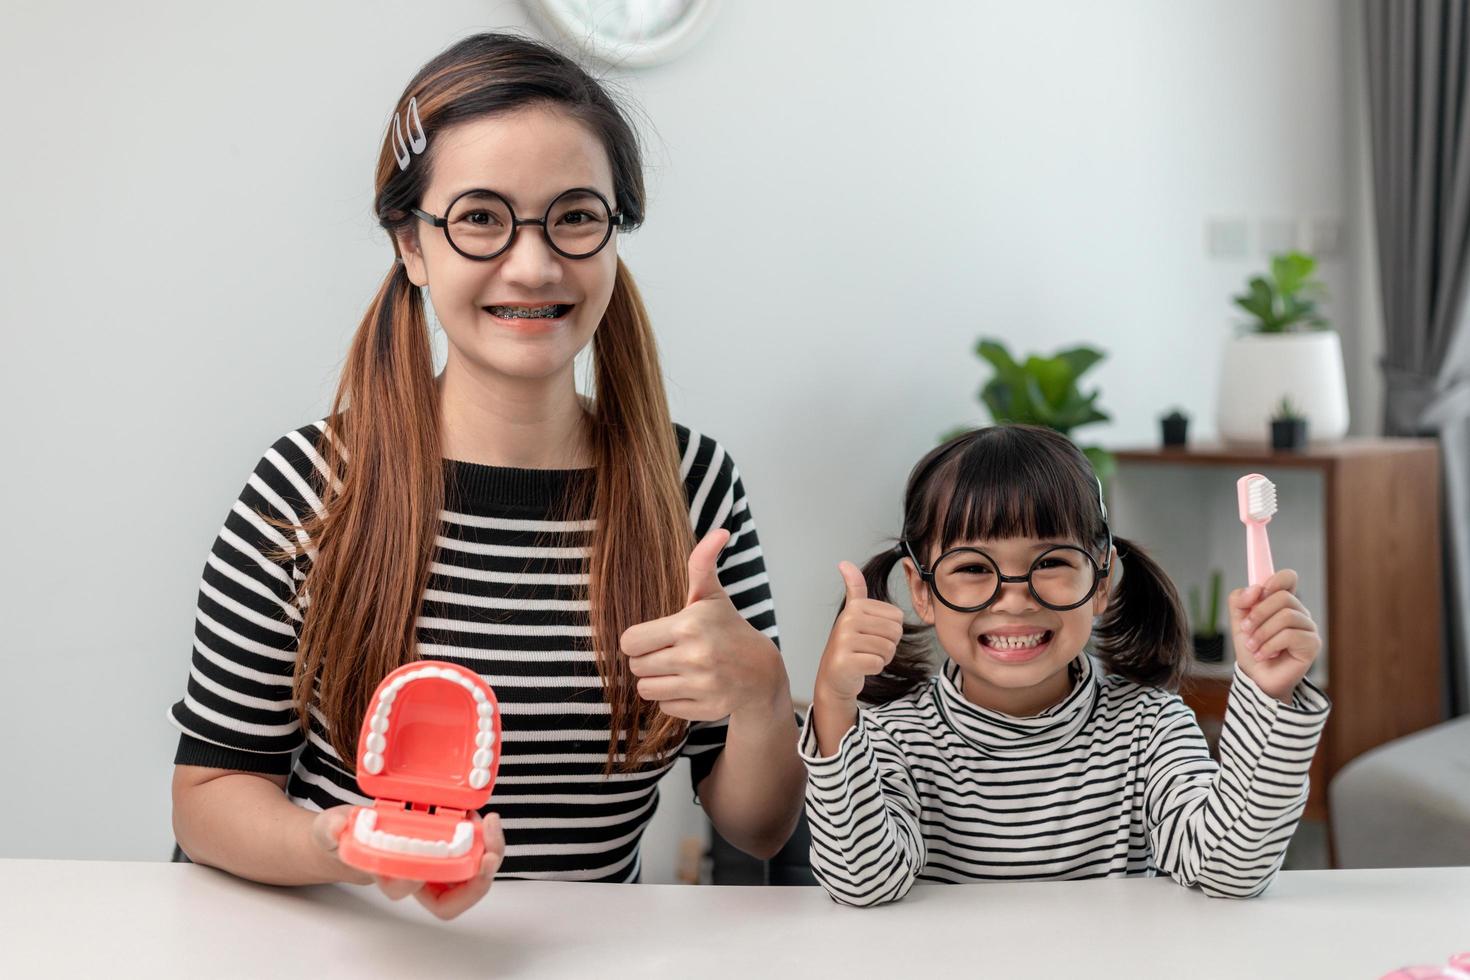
1317 454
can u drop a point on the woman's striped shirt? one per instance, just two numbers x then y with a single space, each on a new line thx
506 598
1115 780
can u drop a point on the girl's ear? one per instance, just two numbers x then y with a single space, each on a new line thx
412 255
1106 587
918 592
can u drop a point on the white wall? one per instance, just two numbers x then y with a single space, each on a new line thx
844 196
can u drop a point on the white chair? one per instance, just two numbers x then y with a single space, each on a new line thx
1406 804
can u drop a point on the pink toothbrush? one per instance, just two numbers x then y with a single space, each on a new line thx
1257 504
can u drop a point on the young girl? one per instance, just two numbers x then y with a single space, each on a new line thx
1030 758
492 518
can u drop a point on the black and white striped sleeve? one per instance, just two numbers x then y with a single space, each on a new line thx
862 806
1225 828
717 499
237 710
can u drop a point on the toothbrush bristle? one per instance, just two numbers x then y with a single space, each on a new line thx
1261 498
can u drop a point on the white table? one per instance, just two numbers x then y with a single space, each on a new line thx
95 918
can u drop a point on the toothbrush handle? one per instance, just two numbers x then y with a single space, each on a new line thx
1258 554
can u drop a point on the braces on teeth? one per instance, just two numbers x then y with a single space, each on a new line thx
364 829
377 743
524 312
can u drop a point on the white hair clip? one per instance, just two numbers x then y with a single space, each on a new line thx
416 144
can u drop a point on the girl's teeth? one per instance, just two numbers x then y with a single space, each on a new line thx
1014 642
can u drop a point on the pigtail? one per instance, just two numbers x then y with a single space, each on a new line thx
913 662
1142 633
374 536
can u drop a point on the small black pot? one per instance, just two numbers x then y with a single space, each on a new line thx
1209 649
1288 433
1176 430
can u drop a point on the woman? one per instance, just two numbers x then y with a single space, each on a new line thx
491 517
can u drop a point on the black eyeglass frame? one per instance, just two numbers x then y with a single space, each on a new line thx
614 220
1099 574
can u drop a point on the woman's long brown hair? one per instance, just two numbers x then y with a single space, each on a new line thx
374 540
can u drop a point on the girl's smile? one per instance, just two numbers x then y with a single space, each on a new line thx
1015 644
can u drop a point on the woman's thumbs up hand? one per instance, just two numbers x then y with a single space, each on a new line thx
705 662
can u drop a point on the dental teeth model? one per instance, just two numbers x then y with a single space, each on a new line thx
429 751
363 830
377 739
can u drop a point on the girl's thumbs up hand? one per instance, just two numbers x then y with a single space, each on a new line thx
862 642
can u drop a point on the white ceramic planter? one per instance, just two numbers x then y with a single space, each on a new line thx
1258 369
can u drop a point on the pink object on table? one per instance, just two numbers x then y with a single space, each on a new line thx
1458 968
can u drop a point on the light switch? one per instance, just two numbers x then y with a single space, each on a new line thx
1278 235
1227 238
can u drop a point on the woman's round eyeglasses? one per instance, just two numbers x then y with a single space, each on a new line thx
480 224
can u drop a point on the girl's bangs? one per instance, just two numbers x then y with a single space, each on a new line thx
1003 488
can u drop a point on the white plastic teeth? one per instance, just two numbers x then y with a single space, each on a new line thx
365 831
377 742
1014 642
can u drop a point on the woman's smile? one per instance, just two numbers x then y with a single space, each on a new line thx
530 317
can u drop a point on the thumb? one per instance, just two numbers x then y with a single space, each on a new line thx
493 835
703 581
327 827
852 576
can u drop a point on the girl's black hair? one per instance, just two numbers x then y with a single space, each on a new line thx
1007 481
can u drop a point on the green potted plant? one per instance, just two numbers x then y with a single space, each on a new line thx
1288 426
1285 345
1209 642
1043 390
1175 427
1285 299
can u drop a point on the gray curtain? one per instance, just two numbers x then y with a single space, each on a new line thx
1419 112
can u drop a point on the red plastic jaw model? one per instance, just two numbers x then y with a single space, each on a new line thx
429 751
